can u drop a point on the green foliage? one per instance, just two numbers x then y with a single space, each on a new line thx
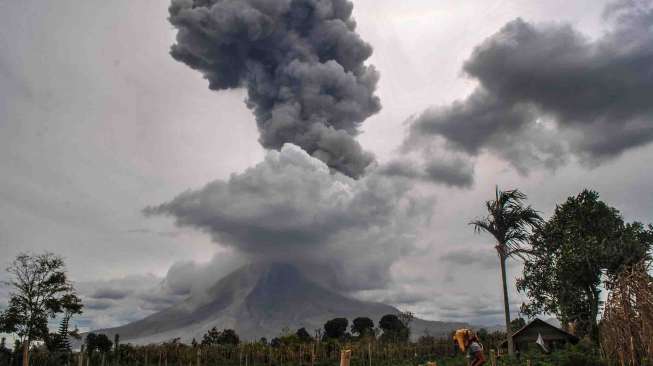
303 336
582 240
509 221
325 354
580 355
335 328
491 340
60 341
224 337
40 290
362 327
98 343
394 330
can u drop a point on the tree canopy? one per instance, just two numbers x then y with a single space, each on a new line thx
98 342
335 328
40 290
509 221
584 242
394 330
223 337
362 327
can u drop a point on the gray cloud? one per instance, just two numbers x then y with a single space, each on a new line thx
109 303
454 173
91 304
301 62
485 259
110 293
189 277
292 208
547 92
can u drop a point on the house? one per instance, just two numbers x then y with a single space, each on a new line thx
551 337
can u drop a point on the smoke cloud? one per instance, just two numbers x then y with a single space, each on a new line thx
292 208
547 93
456 172
302 64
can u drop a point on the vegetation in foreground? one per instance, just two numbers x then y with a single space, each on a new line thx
365 352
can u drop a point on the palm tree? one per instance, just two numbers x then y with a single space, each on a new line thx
510 224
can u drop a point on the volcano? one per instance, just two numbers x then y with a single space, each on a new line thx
259 301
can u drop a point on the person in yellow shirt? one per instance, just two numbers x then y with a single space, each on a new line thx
468 342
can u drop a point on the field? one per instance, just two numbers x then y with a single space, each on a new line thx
310 354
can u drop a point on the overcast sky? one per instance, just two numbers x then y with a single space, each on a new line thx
98 122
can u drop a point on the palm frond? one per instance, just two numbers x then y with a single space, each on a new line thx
509 221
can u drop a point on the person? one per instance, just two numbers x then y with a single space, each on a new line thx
475 352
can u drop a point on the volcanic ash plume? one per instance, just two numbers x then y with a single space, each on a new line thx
302 64
290 208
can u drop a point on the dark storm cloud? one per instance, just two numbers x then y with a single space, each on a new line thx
301 62
454 173
291 207
547 92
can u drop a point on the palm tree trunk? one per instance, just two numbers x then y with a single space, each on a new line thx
506 305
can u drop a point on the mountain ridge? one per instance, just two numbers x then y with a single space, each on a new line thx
259 300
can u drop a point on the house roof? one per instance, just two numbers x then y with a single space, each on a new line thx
539 322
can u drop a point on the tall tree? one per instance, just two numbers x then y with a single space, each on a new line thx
335 328
394 329
60 342
583 243
510 222
363 327
40 287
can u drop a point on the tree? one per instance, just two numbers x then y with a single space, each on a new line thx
98 342
363 327
41 290
228 337
303 335
583 242
224 337
394 330
210 337
335 328
60 341
510 223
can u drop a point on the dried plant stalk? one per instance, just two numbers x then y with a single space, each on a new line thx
627 324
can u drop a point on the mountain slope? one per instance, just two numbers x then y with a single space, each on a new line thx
259 301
